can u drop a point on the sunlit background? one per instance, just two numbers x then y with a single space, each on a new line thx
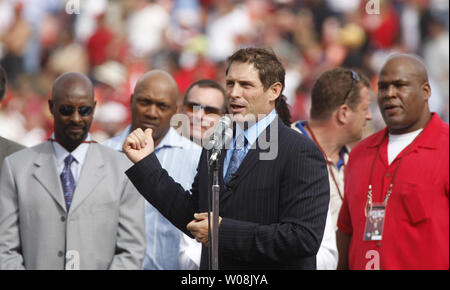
114 42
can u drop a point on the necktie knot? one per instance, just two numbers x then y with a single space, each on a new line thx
68 160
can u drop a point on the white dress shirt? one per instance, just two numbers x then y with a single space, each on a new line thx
79 154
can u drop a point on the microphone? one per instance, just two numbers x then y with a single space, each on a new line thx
221 137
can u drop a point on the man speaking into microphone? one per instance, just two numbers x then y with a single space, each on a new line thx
273 207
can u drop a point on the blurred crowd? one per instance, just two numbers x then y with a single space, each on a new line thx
114 42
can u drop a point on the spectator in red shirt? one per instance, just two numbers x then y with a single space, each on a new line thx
395 213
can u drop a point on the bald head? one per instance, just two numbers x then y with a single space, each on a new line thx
71 80
154 102
409 62
158 80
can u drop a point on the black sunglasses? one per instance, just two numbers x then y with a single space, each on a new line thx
355 79
84 111
189 107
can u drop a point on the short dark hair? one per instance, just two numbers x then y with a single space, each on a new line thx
207 83
336 87
2 83
265 61
270 71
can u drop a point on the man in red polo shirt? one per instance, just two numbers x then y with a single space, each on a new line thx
395 213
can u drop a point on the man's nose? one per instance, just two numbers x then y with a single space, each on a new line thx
76 117
391 91
198 112
369 114
152 111
234 91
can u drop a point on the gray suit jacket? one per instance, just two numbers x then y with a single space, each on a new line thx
8 147
104 229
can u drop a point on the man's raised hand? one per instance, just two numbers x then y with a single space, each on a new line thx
138 145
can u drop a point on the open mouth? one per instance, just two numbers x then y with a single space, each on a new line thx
235 108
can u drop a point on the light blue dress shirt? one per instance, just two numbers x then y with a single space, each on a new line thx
179 157
251 134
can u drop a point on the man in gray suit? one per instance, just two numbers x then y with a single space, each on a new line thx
7 147
65 203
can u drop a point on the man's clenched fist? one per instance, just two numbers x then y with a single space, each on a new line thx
138 145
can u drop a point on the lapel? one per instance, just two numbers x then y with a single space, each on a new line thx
3 148
249 162
47 174
91 174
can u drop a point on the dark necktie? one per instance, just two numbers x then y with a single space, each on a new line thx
68 181
236 157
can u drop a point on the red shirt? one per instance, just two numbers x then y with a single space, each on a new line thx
416 227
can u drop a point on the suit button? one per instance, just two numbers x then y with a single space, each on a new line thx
60 254
379 244
63 218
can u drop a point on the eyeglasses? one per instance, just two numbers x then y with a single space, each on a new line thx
355 78
84 111
189 107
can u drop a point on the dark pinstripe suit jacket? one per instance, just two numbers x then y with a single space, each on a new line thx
273 211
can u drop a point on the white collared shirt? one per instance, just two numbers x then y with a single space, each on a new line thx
79 154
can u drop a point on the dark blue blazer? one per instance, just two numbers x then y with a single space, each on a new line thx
274 211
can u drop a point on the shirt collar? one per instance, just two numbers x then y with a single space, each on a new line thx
343 154
425 139
79 153
301 126
252 133
171 140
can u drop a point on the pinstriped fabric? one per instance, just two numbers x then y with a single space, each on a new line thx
274 211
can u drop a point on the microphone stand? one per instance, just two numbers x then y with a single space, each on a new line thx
213 226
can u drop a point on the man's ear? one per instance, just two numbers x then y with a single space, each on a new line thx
275 91
342 114
426 88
